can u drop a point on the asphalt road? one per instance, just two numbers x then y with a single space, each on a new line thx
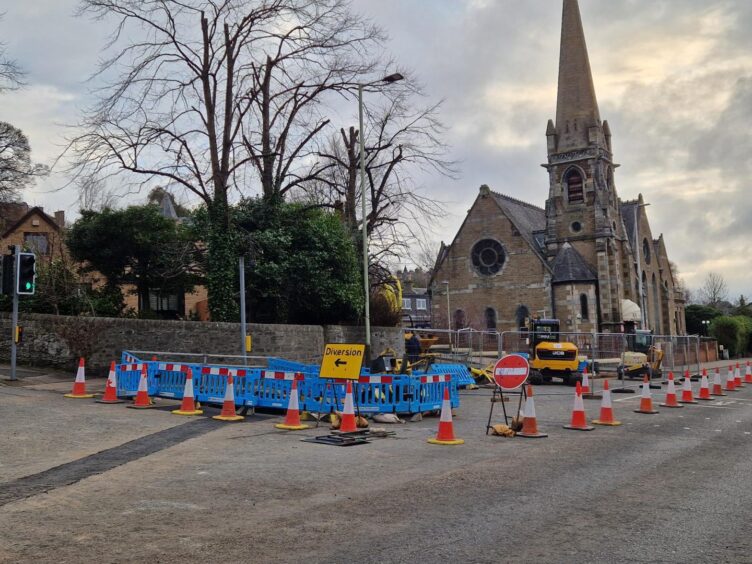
671 487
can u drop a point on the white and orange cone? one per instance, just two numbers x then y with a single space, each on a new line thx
110 388
142 400
748 374
348 423
445 436
579 419
79 386
717 386
585 381
188 405
292 419
730 382
738 377
529 422
228 405
704 387
687 394
646 399
670 400
607 411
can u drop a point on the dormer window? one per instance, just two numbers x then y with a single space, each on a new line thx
574 185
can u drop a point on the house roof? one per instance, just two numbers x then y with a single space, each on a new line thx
569 266
36 210
527 218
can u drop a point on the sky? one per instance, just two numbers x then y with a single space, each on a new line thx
672 77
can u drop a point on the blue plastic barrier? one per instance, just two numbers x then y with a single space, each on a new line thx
430 393
171 378
129 375
282 365
459 372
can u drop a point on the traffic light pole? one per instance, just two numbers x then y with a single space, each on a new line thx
14 324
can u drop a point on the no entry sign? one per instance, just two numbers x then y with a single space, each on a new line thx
511 372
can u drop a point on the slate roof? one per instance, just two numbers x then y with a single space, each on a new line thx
569 266
527 218
627 214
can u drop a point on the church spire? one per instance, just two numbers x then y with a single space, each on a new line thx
576 107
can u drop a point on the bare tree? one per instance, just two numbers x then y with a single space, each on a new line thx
714 290
16 168
93 194
11 74
400 141
212 95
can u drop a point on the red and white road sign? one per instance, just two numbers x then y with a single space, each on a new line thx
511 372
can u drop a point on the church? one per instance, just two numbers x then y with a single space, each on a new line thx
588 258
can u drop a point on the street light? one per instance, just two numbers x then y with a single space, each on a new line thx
389 79
643 317
706 326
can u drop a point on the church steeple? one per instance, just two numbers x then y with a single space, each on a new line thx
578 121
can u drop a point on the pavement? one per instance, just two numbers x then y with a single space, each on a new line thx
85 482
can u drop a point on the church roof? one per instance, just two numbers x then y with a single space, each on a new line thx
576 101
569 266
628 215
527 218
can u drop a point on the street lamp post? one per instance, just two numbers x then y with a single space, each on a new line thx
366 286
643 316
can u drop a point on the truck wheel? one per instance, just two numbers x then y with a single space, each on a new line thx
535 378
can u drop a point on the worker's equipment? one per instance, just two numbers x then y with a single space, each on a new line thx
642 356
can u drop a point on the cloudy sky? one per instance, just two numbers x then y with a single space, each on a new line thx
673 77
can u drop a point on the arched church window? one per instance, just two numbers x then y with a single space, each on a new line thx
574 182
521 316
488 256
490 318
584 307
646 250
459 319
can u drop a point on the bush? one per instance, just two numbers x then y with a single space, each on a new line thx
733 333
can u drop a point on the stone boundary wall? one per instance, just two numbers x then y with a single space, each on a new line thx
58 341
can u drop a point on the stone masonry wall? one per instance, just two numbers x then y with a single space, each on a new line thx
59 341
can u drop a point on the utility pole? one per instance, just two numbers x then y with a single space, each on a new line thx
14 322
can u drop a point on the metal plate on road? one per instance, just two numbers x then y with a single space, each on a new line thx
511 371
342 361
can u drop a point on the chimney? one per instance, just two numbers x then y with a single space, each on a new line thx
60 218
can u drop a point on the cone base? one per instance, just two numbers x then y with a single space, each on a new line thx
78 396
688 401
181 412
531 435
287 427
449 443
606 423
109 401
672 405
578 428
228 417
150 406
646 412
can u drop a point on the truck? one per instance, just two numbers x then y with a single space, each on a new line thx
549 356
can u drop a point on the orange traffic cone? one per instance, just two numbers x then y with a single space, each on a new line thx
579 419
646 400
445 436
348 423
529 422
704 387
142 400
687 394
738 377
228 405
110 389
188 405
748 374
607 411
585 381
730 382
717 387
292 419
79 386
671 393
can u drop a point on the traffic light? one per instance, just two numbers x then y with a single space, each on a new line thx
8 277
26 274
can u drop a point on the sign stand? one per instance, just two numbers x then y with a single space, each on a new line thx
510 374
341 362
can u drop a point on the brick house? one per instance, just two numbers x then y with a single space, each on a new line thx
587 258
32 229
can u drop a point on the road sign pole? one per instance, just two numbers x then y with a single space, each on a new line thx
243 332
14 324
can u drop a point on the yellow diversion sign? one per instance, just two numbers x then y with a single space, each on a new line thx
342 361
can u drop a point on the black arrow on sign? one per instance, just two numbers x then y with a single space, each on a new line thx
339 362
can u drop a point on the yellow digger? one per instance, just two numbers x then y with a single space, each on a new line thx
642 357
549 356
